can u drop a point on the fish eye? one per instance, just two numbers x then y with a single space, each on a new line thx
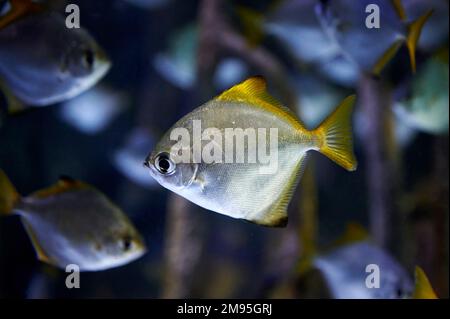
88 57
127 243
164 164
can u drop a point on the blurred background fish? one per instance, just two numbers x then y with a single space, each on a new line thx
92 111
41 60
425 105
345 273
72 223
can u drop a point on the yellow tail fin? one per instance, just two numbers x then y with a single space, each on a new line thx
8 195
423 289
335 135
415 29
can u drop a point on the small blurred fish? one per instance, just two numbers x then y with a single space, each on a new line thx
422 289
73 223
92 111
371 48
427 108
178 64
345 272
41 60
128 158
240 190
295 24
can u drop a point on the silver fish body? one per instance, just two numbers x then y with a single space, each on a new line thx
44 62
235 189
81 227
258 148
344 270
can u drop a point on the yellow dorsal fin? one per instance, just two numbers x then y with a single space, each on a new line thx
19 9
423 289
64 184
253 91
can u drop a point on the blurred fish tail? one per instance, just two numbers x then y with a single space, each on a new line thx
414 30
252 24
335 135
423 289
8 195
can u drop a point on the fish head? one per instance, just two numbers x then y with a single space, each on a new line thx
119 246
84 61
168 168
169 172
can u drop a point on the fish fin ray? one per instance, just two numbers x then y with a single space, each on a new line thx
336 141
253 91
8 195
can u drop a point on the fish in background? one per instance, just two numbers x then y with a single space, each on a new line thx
128 158
244 190
435 32
149 4
42 61
178 64
371 49
426 108
92 111
296 26
73 223
344 270
228 72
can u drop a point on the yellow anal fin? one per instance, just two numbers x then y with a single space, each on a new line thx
276 215
253 91
423 289
19 9
40 253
